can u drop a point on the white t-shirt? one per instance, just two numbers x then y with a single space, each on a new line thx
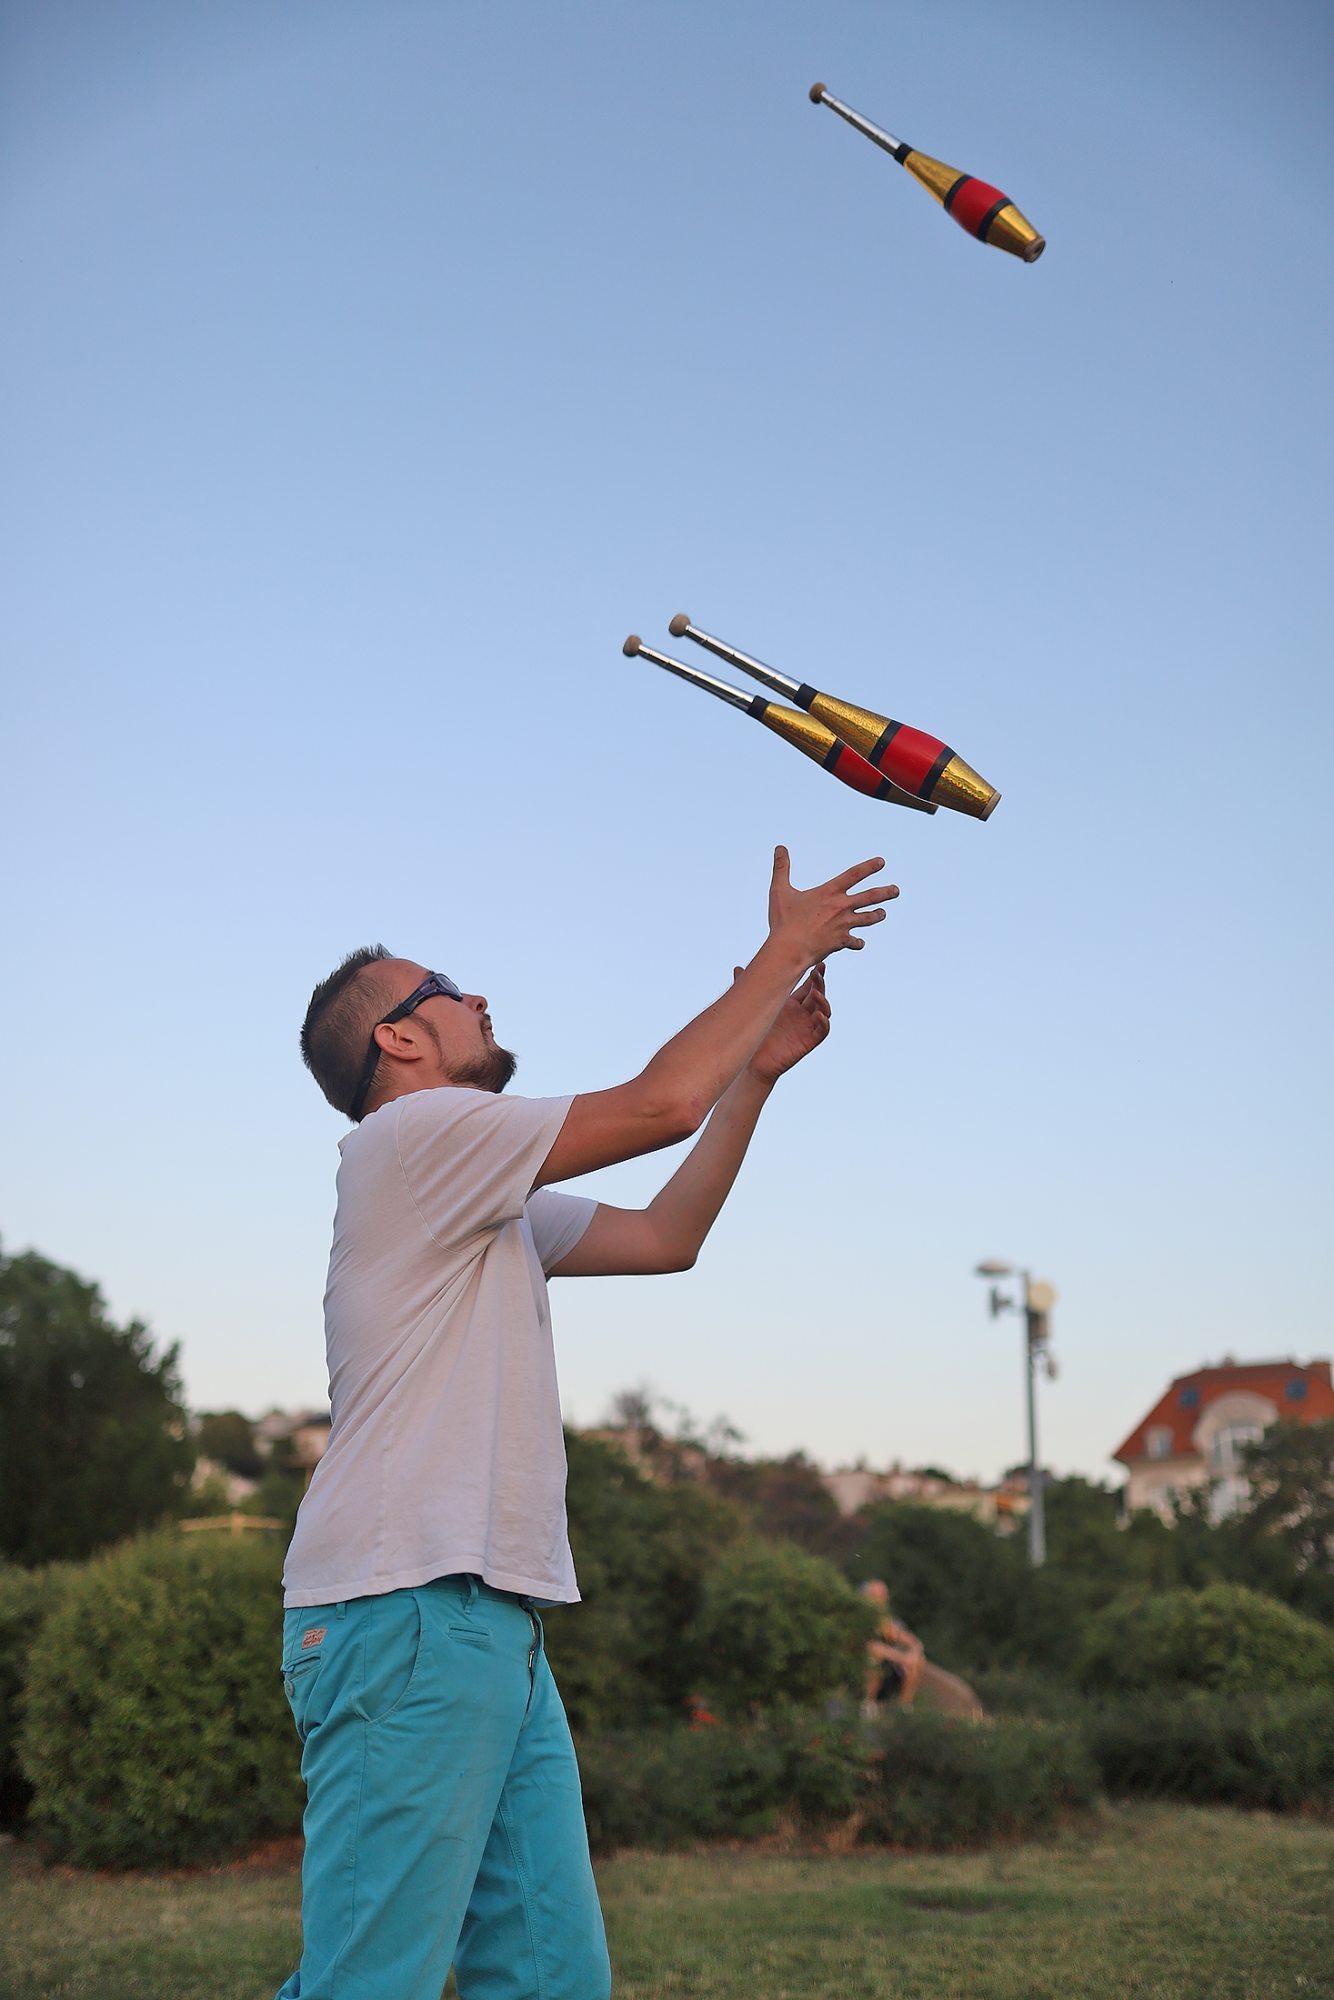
446 1452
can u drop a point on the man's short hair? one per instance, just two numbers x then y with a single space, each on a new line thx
341 1017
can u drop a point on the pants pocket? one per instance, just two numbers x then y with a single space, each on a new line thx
392 1649
300 1680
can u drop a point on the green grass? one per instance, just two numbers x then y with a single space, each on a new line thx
1157 1902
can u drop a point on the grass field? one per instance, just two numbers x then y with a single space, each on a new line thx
1159 1903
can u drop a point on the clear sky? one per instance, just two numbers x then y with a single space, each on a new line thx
370 371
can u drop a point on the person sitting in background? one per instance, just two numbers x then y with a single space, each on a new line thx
895 1657
898 1671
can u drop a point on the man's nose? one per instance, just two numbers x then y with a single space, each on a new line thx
477 1001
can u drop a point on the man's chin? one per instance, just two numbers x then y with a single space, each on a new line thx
492 1071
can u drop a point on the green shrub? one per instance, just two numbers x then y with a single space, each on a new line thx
156 1732
1223 1637
669 1787
917 1781
945 1783
27 1596
778 1628
1026 1691
642 1552
1274 1752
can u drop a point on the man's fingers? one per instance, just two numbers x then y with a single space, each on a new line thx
858 874
884 895
860 918
783 868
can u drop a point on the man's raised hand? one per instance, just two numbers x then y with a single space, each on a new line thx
800 1027
825 919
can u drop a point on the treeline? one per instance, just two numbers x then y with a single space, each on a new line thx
142 1721
713 1672
644 1538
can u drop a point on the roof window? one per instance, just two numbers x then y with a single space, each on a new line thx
1189 1398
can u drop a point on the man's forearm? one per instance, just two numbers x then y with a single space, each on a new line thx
708 1055
685 1210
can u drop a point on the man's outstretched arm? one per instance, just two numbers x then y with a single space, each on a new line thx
675 1093
667 1235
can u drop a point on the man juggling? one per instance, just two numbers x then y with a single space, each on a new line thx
444 1822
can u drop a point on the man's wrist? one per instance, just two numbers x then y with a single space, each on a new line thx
757 1080
786 953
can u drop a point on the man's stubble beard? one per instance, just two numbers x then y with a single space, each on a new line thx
491 1071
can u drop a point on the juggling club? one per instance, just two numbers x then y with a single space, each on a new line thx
810 737
975 205
921 765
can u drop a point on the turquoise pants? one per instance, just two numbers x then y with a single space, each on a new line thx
444 1821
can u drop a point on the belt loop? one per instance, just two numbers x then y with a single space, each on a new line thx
340 1610
472 1590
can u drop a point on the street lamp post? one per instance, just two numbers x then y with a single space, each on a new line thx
1035 1301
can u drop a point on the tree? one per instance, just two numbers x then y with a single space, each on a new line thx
228 1439
641 1550
778 1627
786 1497
970 1594
94 1442
1291 1470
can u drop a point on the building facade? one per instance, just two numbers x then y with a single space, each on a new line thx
1195 1433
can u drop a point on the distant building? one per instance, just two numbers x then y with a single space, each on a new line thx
209 1476
1194 1434
282 1426
664 1460
855 1487
668 1460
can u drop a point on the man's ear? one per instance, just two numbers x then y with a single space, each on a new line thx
402 1040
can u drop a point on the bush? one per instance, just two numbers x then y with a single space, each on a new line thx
1223 1637
670 1787
1275 1752
27 1596
920 1781
778 1628
156 1732
642 1552
944 1783
1025 1691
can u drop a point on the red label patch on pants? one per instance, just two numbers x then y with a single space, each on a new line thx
313 1636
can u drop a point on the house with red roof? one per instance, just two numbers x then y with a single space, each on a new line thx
1194 1433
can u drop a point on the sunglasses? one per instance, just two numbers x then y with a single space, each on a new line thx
434 984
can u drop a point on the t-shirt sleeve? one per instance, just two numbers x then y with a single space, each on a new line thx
470 1157
557 1221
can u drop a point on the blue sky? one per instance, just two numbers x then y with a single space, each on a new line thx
372 371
